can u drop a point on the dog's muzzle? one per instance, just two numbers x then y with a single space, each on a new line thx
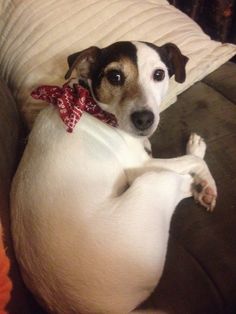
142 120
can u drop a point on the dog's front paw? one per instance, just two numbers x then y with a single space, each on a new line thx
204 190
196 146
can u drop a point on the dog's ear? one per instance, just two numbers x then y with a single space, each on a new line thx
175 61
82 62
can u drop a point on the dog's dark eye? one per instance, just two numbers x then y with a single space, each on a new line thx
159 75
115 77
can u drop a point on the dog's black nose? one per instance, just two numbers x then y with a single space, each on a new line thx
142 120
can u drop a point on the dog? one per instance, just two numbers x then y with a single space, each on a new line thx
91 210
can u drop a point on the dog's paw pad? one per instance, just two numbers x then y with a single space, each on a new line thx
204 194
196 146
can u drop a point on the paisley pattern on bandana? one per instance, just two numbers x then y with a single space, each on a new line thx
71 103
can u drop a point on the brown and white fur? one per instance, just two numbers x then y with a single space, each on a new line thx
91 210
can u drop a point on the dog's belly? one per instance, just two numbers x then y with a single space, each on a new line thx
75 253
76 261
72 275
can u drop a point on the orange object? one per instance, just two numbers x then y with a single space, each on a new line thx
228 12
5 282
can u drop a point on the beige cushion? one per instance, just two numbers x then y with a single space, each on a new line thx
37 36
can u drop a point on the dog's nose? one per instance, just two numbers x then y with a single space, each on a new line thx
142 120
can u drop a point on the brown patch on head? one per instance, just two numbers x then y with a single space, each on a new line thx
103 66
82 62
119 94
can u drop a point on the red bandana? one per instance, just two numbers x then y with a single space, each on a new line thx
71 102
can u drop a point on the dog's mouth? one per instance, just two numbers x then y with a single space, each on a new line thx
146 133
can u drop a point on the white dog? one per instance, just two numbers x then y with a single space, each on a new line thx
91 209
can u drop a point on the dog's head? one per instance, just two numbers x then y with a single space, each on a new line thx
129 80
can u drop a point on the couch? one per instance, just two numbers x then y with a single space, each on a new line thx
200 272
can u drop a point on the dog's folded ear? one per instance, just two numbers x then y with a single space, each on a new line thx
82 62
175 61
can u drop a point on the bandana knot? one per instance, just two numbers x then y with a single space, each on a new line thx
72 102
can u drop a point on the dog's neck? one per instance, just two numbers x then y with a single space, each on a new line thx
72 99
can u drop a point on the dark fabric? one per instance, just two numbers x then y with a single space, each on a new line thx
10 142
216 17
224 81
200 271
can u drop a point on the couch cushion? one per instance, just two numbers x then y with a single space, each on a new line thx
200 273
37 36
224 81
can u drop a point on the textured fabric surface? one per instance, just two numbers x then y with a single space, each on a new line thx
217 18
37 36
200 273
224 81
71 102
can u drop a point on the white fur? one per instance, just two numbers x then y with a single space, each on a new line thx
152 91
148 61
91 214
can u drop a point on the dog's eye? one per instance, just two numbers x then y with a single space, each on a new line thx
159 75
115 77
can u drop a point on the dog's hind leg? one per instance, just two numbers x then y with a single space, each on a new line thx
136 224
142 214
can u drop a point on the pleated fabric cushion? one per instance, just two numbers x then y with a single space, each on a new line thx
37 36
